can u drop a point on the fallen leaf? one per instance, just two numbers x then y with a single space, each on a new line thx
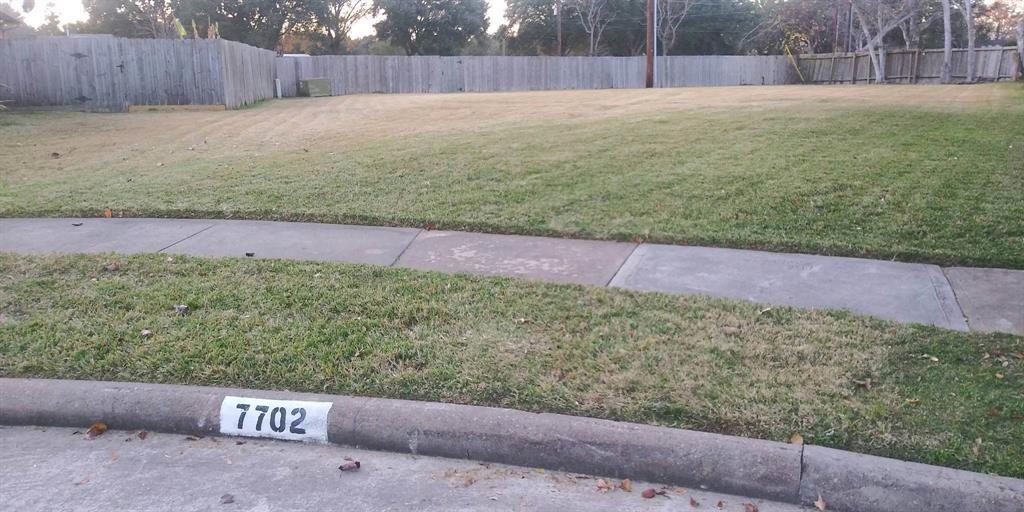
181 309
250 254
796 439
720 505
820 503
83 481
648 493
1000 376
626 485
913 401
353 465
866 383
239 443
76 224
226 499
603 485
749 507
107 213
114 456
191 438
694 503
146 333
142 435
95 430
55 155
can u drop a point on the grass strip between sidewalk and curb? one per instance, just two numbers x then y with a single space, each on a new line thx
840 380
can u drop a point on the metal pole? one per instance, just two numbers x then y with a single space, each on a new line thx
649 80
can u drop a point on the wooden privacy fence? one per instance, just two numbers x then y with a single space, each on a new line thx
105 73
111 74
908 66
361 74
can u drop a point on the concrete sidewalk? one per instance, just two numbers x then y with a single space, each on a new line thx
953 298
58 469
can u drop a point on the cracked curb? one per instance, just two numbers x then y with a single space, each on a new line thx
734 465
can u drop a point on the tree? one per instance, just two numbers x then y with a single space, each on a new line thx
431 27
671 14
1000 19
130 18
256 22
947 43
968 12
877 18
51 22
531 27
1020 45
594 16
331 20
925 12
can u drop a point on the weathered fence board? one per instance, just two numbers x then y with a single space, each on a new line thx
104 73
363 74
908 66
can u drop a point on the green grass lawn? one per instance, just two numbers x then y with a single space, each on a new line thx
931 182
935 396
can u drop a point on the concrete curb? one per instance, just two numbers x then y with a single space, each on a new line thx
749 467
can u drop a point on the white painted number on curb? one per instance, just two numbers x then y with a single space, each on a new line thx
293 420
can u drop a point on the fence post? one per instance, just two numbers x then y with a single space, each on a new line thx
853 69
915 66
999 64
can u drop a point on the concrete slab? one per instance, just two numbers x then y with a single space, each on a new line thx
904 292
992 298
56 469
536 258
299 241
95 235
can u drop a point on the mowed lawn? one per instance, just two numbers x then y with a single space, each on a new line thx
840 380
916 173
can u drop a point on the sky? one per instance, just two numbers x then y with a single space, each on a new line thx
71 11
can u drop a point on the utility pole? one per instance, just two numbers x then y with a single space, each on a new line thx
558 29
650 44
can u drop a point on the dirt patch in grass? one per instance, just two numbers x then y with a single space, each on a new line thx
916 173
689 362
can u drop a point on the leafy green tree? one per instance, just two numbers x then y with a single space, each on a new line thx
51 22
330 22
257 22
431 27
129 18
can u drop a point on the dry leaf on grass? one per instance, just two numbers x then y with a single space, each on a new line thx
796 439
107 213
